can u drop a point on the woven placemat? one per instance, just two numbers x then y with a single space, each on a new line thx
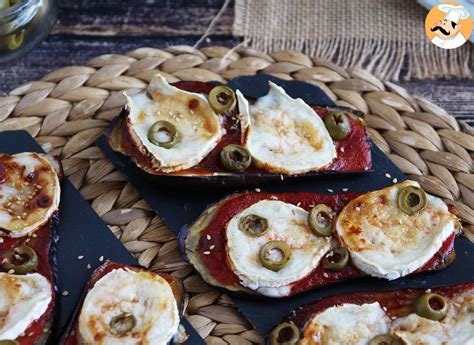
70 108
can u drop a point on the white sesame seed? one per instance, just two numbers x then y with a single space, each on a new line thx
330 190
393 317
274 197
345 189
342 149
387 175
384 308
212 247
1 240
101 258
366 168
80 257
206 252
11 271
258 190
395 180
357 209
325 275
208 237
281 177
428 291
89 266
65 293
298 204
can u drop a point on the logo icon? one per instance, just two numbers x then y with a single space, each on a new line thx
448 25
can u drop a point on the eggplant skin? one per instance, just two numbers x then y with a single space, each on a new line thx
189 238
175 283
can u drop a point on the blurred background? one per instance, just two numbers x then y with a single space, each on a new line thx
85 29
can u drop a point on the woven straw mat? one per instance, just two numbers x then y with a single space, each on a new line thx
70 108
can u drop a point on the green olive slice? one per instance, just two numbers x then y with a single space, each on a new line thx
122 324
235 157
411 199
385 339
431 306
274 255
164 134
286 333
337 259
253 225
222 99
9 342
337 124
320 220
20 260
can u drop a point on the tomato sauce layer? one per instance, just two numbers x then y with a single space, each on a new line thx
397 303
41 241
353 152
215 260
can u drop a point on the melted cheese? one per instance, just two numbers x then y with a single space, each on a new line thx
198 125
285 135
348 324
457 328
385 242
146 295
23 299
29 193
287 223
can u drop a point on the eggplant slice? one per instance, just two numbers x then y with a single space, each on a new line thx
44 243
355 158
70 336
396 303
191 236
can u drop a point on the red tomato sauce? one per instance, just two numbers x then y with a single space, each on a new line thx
353 152
398 303
216 263
41 242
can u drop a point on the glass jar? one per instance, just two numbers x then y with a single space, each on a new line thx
23 25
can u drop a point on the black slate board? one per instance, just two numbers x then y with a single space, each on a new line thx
81 232
177 207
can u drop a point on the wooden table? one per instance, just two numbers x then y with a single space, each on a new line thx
93 27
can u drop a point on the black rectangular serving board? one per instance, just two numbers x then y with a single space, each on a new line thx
81 233
178 207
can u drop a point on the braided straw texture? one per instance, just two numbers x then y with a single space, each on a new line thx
70 108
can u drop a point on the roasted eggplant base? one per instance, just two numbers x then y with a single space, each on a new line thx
28 260
205 244
422 316
353 150
122 325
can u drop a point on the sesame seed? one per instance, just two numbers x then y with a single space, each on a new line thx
11 271
345 189
330 190
393 317
80 257
387 175
395 180
212 247
258 190
65 293
206 252
274 197
208 237
366 168
281 177
357 209
1 240
384 308
325 275
342 149
428 291
298 204
89 266
101 258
